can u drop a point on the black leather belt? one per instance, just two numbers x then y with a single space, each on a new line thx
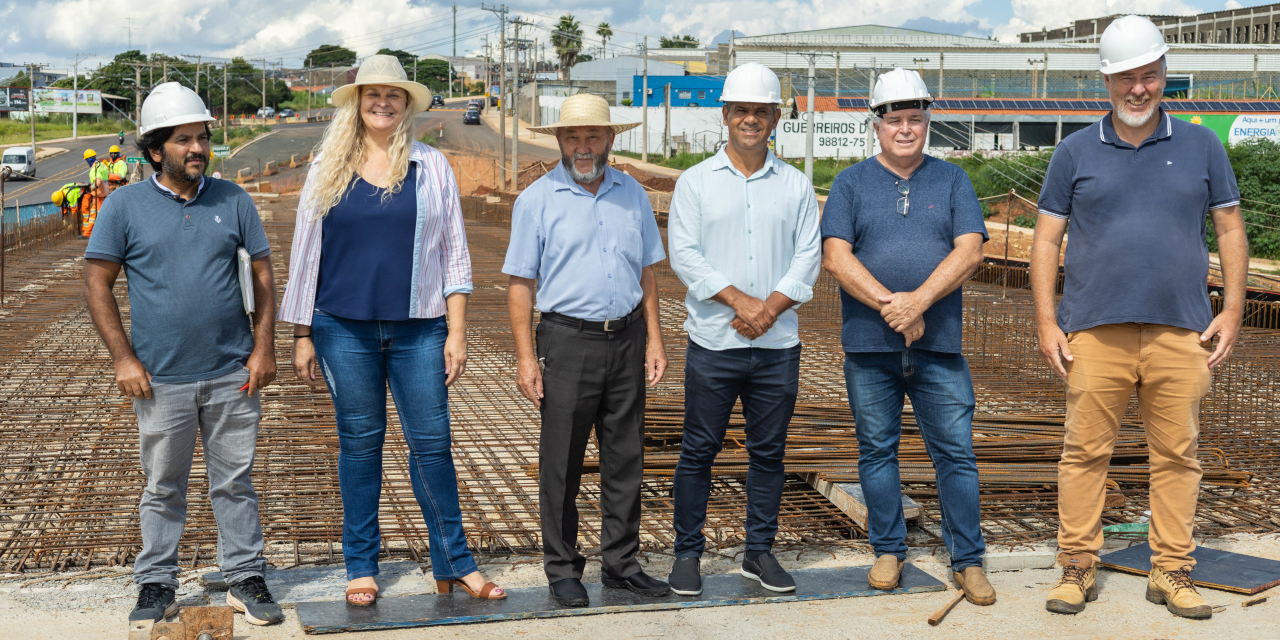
608 326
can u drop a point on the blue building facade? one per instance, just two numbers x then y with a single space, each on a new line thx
686 91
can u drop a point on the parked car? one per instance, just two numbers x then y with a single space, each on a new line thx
22 160
472 116
288 113
267 112
478 104
493 100
437 100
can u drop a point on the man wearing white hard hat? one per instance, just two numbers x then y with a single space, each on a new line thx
1135 189
744 240
585 237
193 361
902 231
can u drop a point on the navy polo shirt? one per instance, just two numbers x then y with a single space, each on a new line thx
1137 249
901 252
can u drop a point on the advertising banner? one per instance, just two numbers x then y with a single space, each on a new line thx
13 99
68 101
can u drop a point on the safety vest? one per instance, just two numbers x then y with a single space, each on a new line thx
99 171
72 195
120 168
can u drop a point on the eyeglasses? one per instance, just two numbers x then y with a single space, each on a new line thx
904 203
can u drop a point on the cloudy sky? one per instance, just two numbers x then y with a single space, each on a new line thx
52 31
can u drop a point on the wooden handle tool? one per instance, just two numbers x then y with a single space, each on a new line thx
938 615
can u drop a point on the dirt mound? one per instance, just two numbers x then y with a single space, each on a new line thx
648 180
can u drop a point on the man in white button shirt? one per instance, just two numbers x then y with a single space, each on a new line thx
744 239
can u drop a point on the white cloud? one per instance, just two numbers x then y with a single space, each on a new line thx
1232 4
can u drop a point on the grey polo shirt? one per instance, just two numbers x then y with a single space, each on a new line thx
186 321
1137 249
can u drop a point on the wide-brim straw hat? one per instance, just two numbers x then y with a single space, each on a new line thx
383 69
585 110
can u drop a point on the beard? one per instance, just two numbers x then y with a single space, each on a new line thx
1134 121
597 166
177 172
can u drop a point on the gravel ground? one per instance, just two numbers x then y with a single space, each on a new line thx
97 608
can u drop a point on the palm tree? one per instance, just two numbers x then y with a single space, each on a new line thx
567 39
605 32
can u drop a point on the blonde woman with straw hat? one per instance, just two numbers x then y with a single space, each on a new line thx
377 293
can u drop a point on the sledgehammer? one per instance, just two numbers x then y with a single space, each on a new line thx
936 618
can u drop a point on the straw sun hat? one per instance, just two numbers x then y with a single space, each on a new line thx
383 69
584 110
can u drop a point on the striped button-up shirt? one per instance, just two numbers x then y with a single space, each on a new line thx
441 261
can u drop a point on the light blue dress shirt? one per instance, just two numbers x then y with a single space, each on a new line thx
757 233
586 251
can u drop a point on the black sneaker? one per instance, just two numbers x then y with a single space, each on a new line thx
155 602
251 597
686 577
766 570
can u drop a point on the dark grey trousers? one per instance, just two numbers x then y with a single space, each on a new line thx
591 379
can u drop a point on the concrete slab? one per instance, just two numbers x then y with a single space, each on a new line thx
324 584
1019 560
535 602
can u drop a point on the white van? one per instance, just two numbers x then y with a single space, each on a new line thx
22 160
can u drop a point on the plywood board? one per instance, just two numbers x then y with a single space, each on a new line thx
1215 569
848 497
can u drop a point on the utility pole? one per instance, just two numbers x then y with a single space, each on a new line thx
31 107
534 107
501 12
311 68
226 115
198 59
808 129
75 91
455 50
515 111
644 106
264 87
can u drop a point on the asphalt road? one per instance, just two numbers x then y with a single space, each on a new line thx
477 139
52 173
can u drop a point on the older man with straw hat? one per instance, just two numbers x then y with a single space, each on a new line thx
586 235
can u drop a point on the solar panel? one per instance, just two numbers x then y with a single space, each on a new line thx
1026 104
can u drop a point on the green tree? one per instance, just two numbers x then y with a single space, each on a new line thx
406 59
327 55
679 42
1257 167
567 40
20 80
605 31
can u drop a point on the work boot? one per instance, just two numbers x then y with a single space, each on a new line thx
885 573
1078 585
976 587
1174 590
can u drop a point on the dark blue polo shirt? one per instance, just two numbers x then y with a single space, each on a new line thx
1137 249
901 252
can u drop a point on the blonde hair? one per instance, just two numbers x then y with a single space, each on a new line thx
341 153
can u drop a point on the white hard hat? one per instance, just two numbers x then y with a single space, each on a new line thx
899 86
170 105
1129 43
752 82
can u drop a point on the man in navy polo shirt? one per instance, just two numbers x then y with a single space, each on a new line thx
901 232
1135 189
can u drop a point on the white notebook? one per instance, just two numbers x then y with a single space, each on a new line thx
245 272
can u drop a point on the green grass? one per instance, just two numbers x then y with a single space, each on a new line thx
679 161
428 140
825 171
299 102
57 126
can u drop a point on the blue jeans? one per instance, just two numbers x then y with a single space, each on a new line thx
941 393
767 380
358 359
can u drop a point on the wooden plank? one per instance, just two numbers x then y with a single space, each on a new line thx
535 602
848 497
1214 569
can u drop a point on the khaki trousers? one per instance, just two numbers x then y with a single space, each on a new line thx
1169 368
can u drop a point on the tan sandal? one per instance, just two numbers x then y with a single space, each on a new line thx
357 591
486 592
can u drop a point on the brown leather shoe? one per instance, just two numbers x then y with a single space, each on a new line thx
885 573
1174 590
976 587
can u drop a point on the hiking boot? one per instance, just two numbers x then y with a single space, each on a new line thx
976 588
1174 590
155 602
251 597
764 568
1078 585
686 577
885 573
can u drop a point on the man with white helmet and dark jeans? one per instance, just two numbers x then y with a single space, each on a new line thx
743 233
193 360
902 232
1135 189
